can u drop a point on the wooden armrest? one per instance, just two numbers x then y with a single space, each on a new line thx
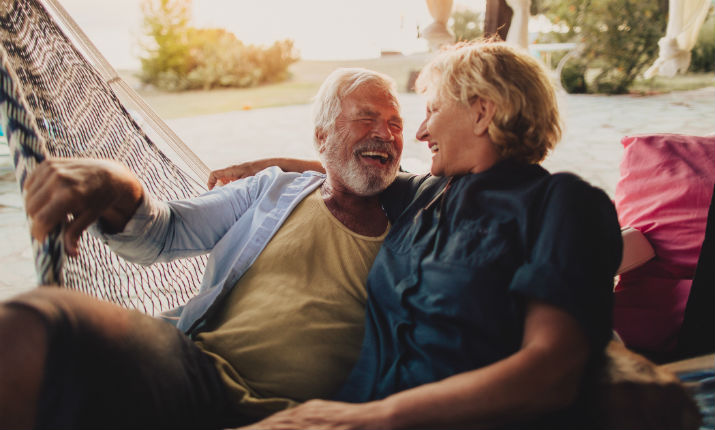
630 391
636 250
690 364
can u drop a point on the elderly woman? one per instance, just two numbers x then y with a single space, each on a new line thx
491 294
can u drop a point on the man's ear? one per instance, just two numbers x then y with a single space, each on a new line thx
320 137
483 114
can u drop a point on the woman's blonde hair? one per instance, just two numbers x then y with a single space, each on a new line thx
526 123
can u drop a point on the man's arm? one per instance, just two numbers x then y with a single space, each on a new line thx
88 190
250 168
544 375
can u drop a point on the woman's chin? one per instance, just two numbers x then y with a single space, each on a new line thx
435 169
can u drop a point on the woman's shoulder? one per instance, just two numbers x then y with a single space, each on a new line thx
571 185
408 188
575 198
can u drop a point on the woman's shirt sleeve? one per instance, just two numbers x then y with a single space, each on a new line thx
573 251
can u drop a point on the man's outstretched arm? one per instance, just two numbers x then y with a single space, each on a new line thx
78 192
250 168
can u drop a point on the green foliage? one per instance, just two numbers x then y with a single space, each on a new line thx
573 77
218 61
619 37
181 57
166 23
466 25
703 53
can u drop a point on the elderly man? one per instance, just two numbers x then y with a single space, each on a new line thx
279 317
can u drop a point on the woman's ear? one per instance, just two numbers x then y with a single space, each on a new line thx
483 111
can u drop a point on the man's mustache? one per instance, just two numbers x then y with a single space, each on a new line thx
376 145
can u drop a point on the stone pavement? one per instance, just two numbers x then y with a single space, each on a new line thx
590 147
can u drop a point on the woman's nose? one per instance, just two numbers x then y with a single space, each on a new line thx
422 133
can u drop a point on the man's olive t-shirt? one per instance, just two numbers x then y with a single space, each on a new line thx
292 327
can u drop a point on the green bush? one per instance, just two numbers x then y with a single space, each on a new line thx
573 77
166 24
180 57
703 53
619 38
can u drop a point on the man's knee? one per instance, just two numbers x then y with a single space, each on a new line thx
21 326
22 362
74 311
84 347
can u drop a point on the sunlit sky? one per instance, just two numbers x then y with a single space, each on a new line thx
321 29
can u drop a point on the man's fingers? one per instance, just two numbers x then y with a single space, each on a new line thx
224 176
48 217
37 178
50 208
212 180
74 229
38 196
32 177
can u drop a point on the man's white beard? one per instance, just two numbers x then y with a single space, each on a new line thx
357 177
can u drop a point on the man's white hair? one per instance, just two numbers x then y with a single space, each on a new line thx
327 104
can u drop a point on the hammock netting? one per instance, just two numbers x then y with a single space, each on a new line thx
55 103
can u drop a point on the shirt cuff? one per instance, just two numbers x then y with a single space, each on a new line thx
149 212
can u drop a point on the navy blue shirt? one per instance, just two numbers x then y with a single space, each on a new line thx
448 289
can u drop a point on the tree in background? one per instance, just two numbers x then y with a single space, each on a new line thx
619 37
181 57
166 23
466 24
703 55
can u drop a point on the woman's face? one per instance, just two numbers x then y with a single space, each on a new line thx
451 132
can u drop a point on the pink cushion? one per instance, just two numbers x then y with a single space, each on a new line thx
664 191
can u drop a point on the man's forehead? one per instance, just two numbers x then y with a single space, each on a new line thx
371 103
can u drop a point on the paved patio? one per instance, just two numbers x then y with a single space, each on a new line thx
590 147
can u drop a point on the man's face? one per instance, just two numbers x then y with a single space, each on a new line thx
362 151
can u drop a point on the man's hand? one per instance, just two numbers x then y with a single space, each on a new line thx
233 173
77 192
322 414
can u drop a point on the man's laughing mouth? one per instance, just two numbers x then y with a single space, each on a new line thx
380 156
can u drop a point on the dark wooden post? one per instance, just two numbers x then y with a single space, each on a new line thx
497 19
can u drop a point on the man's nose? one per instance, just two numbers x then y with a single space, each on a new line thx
382 131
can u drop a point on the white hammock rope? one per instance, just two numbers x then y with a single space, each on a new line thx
112 78
60 98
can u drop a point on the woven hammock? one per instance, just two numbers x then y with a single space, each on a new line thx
60 98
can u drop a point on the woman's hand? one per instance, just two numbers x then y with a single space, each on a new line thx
322 414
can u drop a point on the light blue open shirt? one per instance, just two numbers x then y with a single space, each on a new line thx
234 223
